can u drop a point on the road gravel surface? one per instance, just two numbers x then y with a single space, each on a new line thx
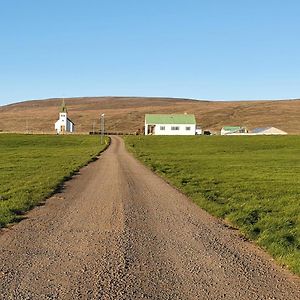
117 231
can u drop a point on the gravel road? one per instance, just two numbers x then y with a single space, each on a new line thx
117 231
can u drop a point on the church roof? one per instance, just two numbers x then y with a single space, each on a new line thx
70 121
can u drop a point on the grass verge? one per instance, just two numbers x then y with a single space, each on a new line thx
32 167
251 182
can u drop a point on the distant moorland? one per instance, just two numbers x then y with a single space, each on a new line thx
126 114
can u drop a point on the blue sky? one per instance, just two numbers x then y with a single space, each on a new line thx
203 49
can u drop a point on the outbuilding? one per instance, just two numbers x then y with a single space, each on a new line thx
236 130
268 131
170 124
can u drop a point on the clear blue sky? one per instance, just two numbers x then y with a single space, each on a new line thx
204 49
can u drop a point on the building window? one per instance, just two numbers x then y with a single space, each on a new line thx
174 127
162 128
188 128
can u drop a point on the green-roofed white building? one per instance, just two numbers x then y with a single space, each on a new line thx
233 130
170 124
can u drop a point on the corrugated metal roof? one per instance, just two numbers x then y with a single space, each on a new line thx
258 130
231 128
170 119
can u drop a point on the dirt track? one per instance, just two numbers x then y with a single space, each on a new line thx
119 232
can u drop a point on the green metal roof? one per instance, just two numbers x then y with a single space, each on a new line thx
170 119
231 128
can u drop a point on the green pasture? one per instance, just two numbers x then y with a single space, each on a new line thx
252 182
33 166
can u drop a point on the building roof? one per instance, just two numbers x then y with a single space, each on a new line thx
268 130
70 121
258 130
231 128
170 119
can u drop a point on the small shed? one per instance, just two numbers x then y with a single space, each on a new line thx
170 124
268 131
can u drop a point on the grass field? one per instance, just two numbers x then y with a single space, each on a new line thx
252 182
33 166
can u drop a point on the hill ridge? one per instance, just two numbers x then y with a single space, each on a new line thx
126 114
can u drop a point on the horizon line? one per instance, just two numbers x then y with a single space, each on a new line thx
156 97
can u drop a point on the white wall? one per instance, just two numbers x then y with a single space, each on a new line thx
58 125
68 126
199 131
223 131
229 132
168 129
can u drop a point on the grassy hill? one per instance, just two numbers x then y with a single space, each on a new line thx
126 114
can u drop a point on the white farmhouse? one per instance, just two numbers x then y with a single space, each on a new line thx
170 124
64 124
268 131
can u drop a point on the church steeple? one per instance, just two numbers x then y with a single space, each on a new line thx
63 108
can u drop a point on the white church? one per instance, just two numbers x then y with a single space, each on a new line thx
64 124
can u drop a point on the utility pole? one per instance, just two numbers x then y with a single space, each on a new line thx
101 128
